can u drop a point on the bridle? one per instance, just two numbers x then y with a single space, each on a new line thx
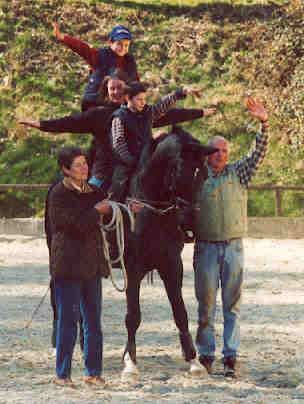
174 203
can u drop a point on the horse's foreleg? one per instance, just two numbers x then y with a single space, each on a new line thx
189 354
132 321
172 279
187 346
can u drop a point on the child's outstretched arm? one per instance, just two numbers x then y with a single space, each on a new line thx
179 115
86 122
89 54
162 114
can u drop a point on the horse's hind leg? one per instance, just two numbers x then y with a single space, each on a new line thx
132 321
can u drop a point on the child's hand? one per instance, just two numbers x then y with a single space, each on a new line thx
57 32
209 111
158 134
32 124
136 207
103 207
195 92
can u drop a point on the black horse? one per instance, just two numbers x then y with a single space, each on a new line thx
164 180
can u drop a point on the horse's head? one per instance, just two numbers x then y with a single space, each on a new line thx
169 167
190 157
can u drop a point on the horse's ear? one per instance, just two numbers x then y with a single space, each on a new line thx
192 145
196 147
206 150
175 129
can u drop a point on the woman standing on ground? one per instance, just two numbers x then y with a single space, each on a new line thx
77 265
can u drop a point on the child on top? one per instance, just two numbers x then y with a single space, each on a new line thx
102 61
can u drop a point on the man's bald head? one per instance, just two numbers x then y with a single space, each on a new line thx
219 159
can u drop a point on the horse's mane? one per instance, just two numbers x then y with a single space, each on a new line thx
167 146
158 153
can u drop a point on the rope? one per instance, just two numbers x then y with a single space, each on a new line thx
116 224
29 322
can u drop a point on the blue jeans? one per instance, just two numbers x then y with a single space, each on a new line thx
218 264
70 295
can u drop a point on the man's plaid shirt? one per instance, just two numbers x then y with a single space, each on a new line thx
246 168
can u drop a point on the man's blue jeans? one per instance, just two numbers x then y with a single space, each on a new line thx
70 295
218 264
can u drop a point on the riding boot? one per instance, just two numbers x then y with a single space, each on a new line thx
188 349
120 183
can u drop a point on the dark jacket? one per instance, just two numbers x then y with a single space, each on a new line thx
92 121
76 251
138 128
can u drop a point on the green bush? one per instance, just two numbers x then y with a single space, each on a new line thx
29 161
226 48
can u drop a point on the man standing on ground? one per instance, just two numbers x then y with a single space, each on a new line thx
220 225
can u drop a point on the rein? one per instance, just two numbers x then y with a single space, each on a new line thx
149 204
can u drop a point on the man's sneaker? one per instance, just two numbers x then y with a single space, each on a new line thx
207 362
66 382
229 367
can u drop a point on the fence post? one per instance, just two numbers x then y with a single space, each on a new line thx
278 206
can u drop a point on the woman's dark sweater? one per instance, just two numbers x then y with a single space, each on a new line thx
76 251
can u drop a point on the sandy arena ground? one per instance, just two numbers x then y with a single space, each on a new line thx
271 356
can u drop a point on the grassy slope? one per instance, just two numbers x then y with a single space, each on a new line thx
226 47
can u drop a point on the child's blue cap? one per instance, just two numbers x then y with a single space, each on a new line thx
120 32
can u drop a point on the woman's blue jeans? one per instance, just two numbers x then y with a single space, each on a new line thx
218 264
70 295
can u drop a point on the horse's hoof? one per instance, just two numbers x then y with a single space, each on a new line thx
130 371
131 378
196 369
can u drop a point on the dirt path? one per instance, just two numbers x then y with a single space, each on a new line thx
272 366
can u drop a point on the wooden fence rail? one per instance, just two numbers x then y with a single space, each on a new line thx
24 186
277 189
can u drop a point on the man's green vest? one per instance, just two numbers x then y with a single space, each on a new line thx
223 207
